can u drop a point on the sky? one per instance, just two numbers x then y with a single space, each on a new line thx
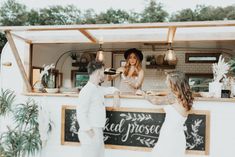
170 6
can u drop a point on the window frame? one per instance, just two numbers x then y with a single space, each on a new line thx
203 75
188 55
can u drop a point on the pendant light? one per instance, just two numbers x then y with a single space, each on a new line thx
170 54
100 53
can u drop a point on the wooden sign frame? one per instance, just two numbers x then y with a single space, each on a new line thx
110 146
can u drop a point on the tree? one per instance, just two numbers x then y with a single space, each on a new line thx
154 12
209 13
3 41
134 17
88 17
13 14
58 15
113 16
230 12
33 17
183 15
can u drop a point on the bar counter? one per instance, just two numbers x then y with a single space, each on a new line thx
220 136
126 96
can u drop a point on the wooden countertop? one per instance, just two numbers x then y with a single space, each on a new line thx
125 96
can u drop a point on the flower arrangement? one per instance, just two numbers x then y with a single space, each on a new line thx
47 77
220 69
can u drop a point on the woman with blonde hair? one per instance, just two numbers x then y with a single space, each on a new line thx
132 74
172 140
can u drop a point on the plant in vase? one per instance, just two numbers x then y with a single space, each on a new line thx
220 70
48 78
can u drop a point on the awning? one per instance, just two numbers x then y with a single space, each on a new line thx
123 33
164 33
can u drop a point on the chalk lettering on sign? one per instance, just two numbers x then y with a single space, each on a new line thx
194 135
136 117
132 128
73 129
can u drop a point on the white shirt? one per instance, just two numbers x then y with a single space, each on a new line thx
91 110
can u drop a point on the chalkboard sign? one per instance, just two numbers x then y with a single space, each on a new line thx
138 129
135 128
69 127
197 132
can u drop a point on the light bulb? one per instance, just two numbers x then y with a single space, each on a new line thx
100 56
170 55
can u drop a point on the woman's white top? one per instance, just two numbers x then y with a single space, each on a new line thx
138 80
172 140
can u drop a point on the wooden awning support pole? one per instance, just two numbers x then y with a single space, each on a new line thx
18 60
171 34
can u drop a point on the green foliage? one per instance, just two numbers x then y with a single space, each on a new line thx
183 15
26 114
232 65
13 14
154 12
230 12
3 41
89 17
113 16
58 15
205 13
22 138
7 98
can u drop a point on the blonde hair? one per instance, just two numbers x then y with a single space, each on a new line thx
180 88
127 67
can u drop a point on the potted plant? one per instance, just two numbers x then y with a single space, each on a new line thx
220 70
74 57
23 136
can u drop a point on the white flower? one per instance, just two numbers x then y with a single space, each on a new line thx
46 69
220 69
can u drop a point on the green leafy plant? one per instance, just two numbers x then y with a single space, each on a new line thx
22 138
232 65
7 98
74 56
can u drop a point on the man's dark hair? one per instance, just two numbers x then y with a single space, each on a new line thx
93 66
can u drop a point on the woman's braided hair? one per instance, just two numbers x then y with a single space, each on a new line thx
180 88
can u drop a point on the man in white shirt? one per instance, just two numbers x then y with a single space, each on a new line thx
91 114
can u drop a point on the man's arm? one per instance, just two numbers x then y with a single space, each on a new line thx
109 90
83 109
